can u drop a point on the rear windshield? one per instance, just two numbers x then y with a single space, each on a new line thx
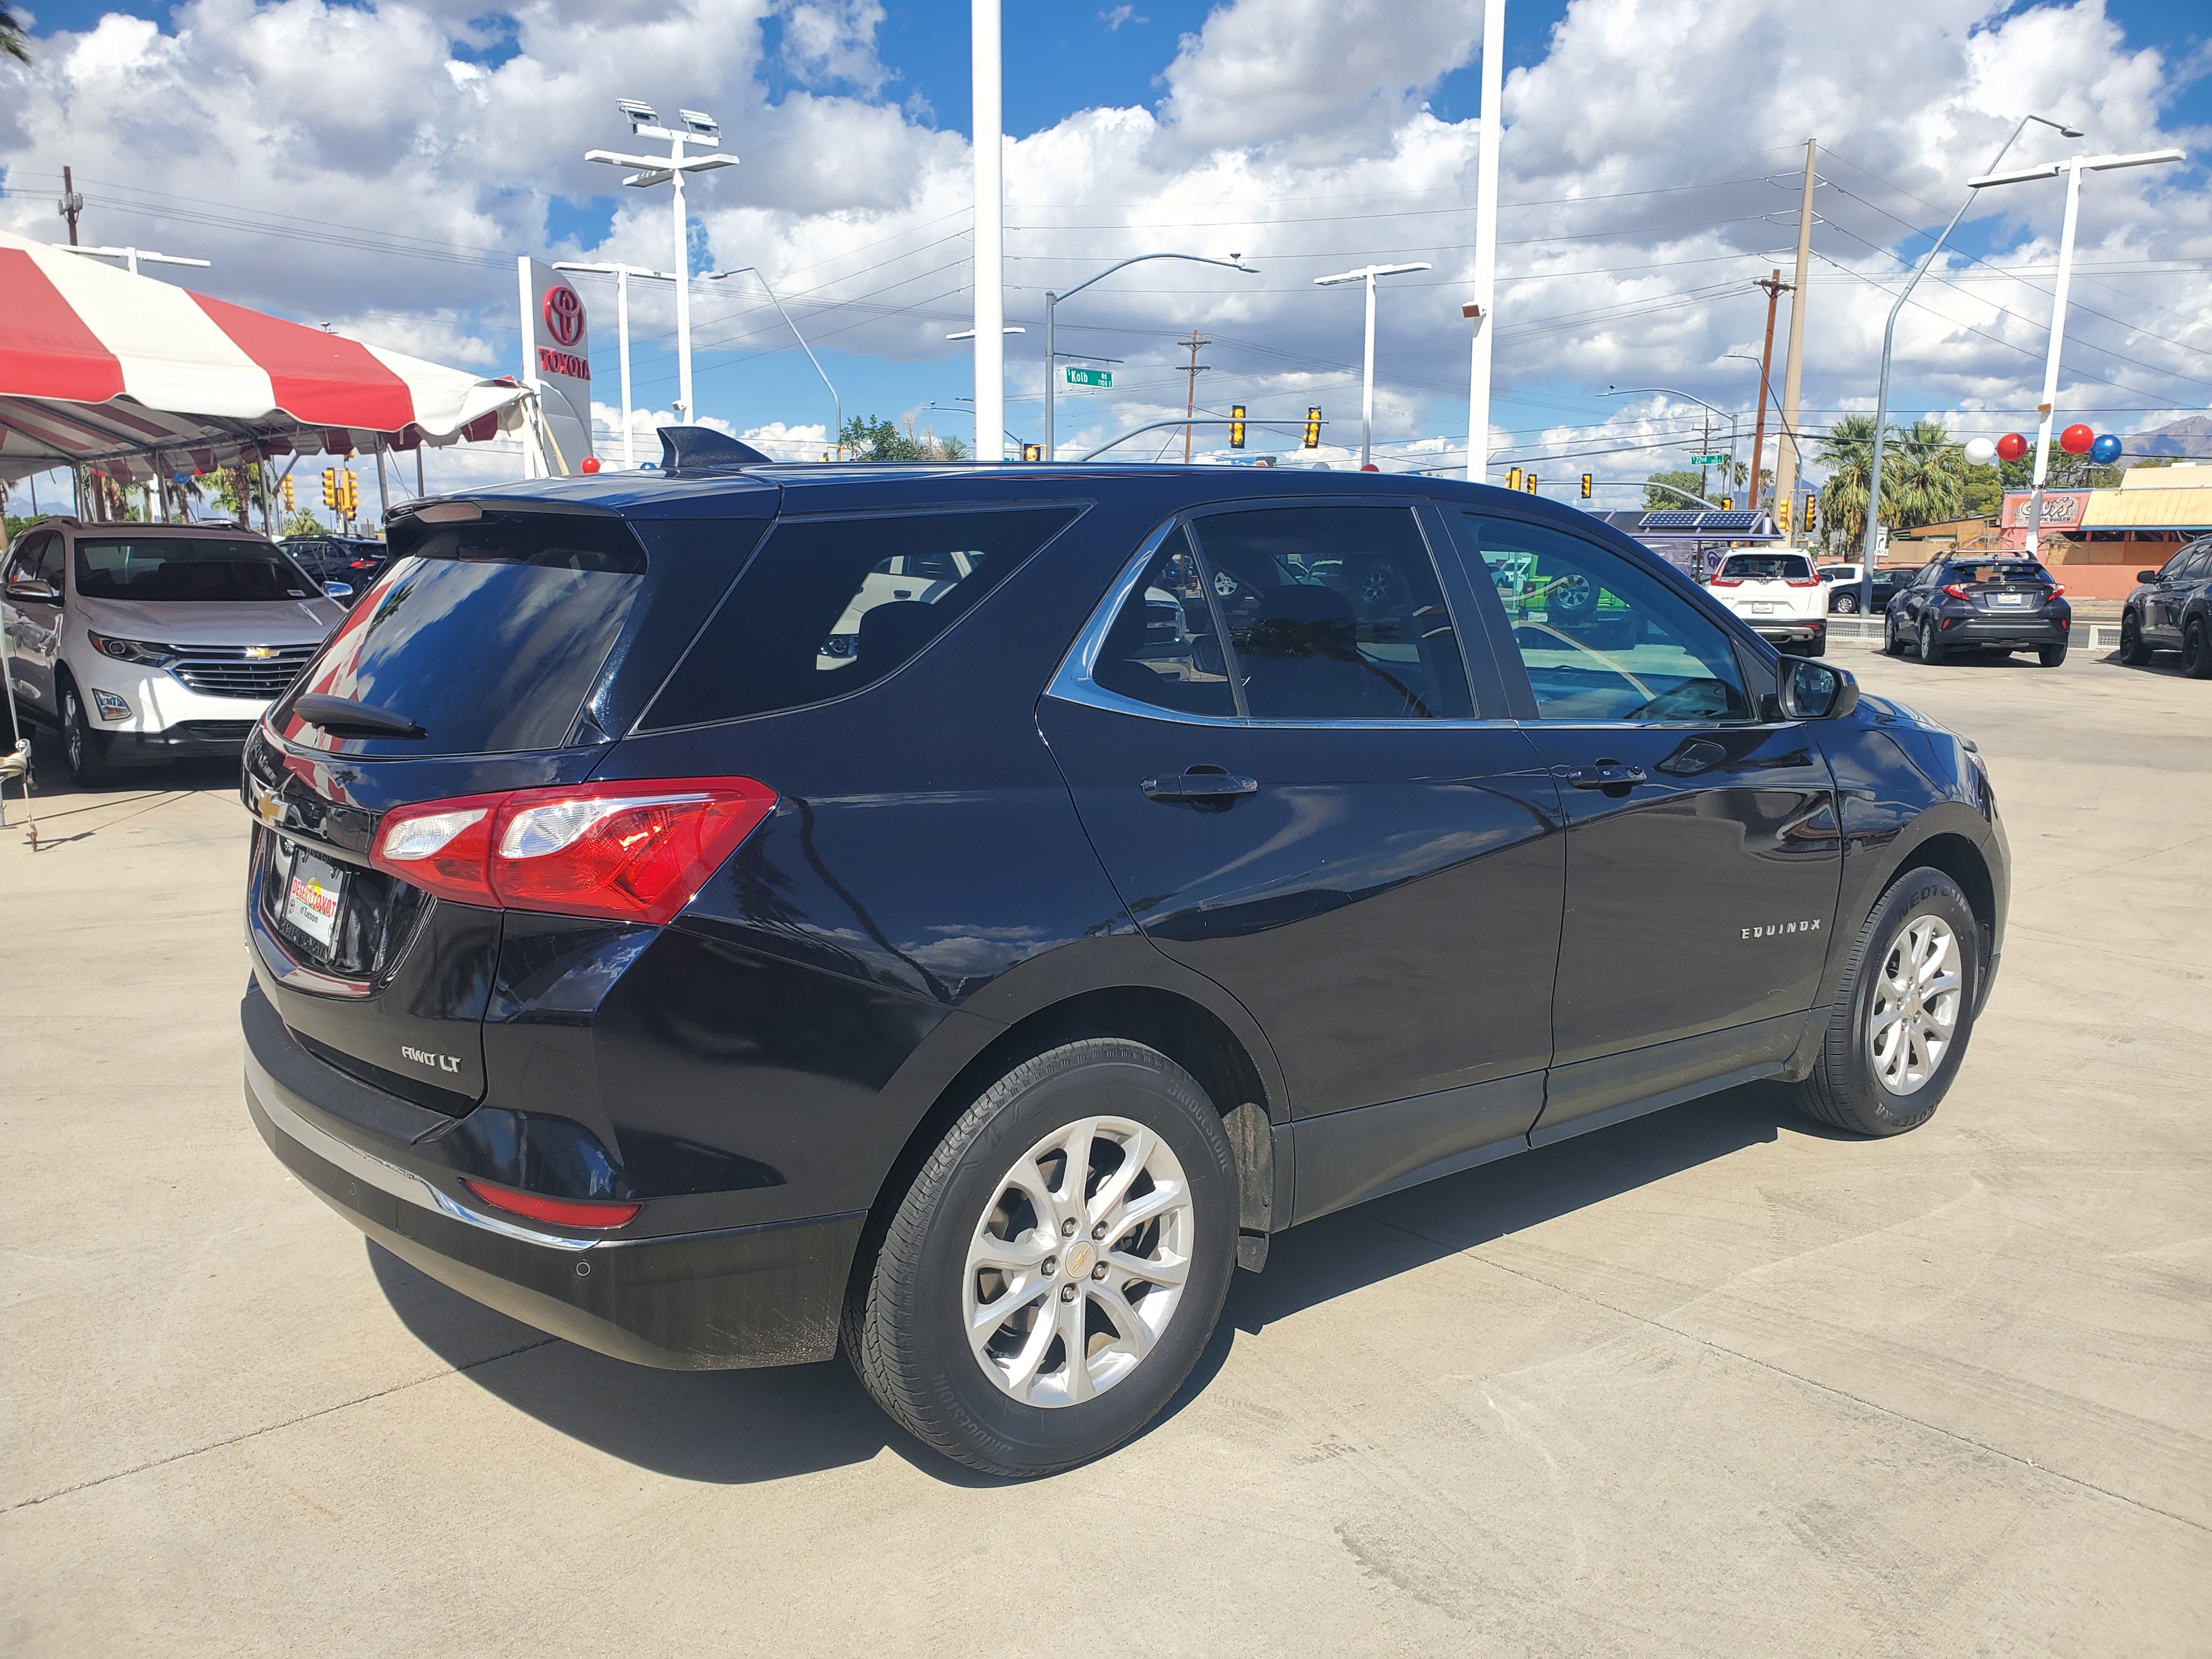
829 605
488 635
168 569
2000 570
1767 566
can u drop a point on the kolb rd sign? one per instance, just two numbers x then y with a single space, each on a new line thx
1086 379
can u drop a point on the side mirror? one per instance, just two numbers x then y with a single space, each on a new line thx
24 588
2146 576
337 590
1814 692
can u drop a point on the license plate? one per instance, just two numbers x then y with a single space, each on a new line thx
1761 609
312 899
2009 599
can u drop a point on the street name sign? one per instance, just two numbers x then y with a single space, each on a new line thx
1088 380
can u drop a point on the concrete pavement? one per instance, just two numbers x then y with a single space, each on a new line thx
1712 1381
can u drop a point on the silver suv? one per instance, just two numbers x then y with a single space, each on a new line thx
145 642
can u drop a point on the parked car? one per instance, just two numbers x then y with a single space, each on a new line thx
1216 850
144 642
345 565
1844 581
1980 603
1779 596
2172 611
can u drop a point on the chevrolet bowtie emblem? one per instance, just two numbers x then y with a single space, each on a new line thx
256 653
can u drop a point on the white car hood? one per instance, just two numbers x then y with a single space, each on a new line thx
196 622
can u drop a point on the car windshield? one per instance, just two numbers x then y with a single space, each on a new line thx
2001 571
171 569
1766 567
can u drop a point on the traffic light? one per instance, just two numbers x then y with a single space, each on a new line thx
1727 504
1313 428
1237 426
1032 452
1782 515
1513 477
330 489
1812 513
353 494
1533 482
287 492
1586 486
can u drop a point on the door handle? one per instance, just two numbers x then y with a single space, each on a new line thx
1607 777
1200 788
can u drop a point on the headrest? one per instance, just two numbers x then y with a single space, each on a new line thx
1306 602
892 632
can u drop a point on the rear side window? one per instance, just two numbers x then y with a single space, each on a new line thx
829 605
488 633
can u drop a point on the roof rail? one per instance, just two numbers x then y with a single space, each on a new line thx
702 449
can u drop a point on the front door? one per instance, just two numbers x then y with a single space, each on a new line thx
1702 859
2178 583
1313 815
34 623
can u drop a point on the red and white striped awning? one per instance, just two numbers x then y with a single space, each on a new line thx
140 378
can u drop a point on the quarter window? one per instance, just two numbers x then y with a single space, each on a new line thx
1164 647
1335 613
1603 639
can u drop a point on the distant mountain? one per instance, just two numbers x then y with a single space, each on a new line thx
2191 439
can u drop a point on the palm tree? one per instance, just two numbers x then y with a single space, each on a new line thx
13 41
1924 476
1847 451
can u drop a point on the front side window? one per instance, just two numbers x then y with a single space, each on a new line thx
24 566
170 569
1335 613
1602 638
829 605
1164 647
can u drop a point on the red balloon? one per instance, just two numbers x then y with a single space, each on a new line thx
2076 439
590 464
2012 446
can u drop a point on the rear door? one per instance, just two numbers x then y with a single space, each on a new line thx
1271 738
2177 582
1702 859
519 642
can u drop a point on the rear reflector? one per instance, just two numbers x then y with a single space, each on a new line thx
559 1211
631 852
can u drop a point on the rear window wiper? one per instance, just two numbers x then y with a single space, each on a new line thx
343 717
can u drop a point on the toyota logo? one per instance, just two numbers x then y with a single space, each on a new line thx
564 315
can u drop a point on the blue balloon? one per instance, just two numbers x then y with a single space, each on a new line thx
2105 450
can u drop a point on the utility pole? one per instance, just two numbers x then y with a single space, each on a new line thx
1787 459
71 204
1776 287
1196 369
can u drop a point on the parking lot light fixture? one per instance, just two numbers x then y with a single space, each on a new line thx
698 129
2073 166
1367 274
1234 262
622 274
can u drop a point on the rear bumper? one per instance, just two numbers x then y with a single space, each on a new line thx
2025 633
1795 630
702 1300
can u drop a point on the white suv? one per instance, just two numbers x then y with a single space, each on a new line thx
150 642
1778 595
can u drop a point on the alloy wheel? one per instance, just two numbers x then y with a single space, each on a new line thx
1079 1262
1915 1015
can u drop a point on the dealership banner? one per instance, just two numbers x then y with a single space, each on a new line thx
557 363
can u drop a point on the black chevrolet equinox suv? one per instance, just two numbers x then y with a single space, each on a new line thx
725 913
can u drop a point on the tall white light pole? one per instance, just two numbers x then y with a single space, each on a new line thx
701 130
1485 240
622 274
990 235
2073 167
1367 274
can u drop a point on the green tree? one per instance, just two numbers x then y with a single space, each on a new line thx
1984 491
1925 473
1659 497
867 439
301 522
1847 451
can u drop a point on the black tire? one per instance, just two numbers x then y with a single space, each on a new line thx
1893 643
2133 652
1847 603
1843 1090
904 1325
2050 655
2197 650
86 749
1931 653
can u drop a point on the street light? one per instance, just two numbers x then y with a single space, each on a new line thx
1052 357
705 131
2073 167
836 404
1367 274
1889 333
1669 392
131 256
622 274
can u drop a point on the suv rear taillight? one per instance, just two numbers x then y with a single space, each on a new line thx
1804 582
632 851
1728 582
1956 591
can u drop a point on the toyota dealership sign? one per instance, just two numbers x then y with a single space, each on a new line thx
558 364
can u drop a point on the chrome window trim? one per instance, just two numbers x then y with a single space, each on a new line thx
1071 682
